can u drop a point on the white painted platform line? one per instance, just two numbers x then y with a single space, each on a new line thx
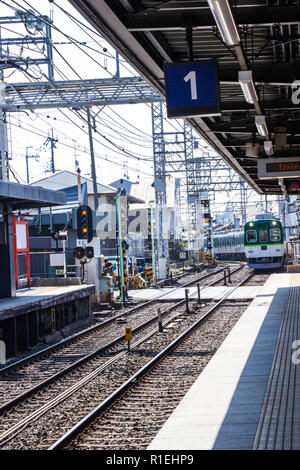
222 408
246 292
216 293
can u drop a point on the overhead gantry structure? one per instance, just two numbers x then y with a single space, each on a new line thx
257 46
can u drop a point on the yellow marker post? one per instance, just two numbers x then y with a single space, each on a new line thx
128 336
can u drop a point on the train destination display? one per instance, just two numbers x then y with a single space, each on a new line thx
278 167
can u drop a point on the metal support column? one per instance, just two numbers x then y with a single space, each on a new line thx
3 125
159 157
93 166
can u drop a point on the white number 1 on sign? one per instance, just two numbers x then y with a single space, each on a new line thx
191 76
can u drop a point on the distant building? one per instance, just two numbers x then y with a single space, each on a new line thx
62 180
226 220
63 217
145 192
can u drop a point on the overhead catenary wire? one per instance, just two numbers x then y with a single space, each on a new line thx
122 149
74 43
129 154
99 118
80 150
57 130
61 33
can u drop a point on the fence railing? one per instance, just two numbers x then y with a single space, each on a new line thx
40 265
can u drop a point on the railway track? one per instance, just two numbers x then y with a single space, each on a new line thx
89 432
133 419
17 385
28 376
82 382
73 348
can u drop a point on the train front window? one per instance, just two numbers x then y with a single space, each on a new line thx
263 236
275 235
251 236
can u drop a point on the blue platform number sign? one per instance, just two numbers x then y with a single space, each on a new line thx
192 89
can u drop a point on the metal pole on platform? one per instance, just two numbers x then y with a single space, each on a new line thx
225 277
120 251
186 291
229 274
160 327
198 290
3 125
65 257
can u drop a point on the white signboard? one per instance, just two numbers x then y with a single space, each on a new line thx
82 243
56 259
21 237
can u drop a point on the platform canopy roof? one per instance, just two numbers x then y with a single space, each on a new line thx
150 33
21 196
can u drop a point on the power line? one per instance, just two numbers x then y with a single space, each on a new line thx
74 42
83 151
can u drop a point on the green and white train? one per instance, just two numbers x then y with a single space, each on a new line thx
264 243
229 245
261 243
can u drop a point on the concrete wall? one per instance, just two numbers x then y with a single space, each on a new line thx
26 330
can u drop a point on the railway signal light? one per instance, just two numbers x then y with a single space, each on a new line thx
55 234
78 252
59 235
149 230
84 223
205 202
89 252
125 245
293 185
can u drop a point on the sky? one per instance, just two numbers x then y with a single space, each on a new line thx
123 139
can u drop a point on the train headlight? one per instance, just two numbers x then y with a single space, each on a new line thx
251 224
274 222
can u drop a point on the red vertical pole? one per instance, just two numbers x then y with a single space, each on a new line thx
27 256
16 251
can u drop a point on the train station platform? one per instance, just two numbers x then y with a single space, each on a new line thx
247 397
206 293
39 311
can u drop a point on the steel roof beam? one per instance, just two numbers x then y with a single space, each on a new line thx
78 93
280 74
258 16
292 141
280 104
245 126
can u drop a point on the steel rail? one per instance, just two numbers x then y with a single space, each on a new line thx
21 425
36 388
18 399
18 427
86 332
49 380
